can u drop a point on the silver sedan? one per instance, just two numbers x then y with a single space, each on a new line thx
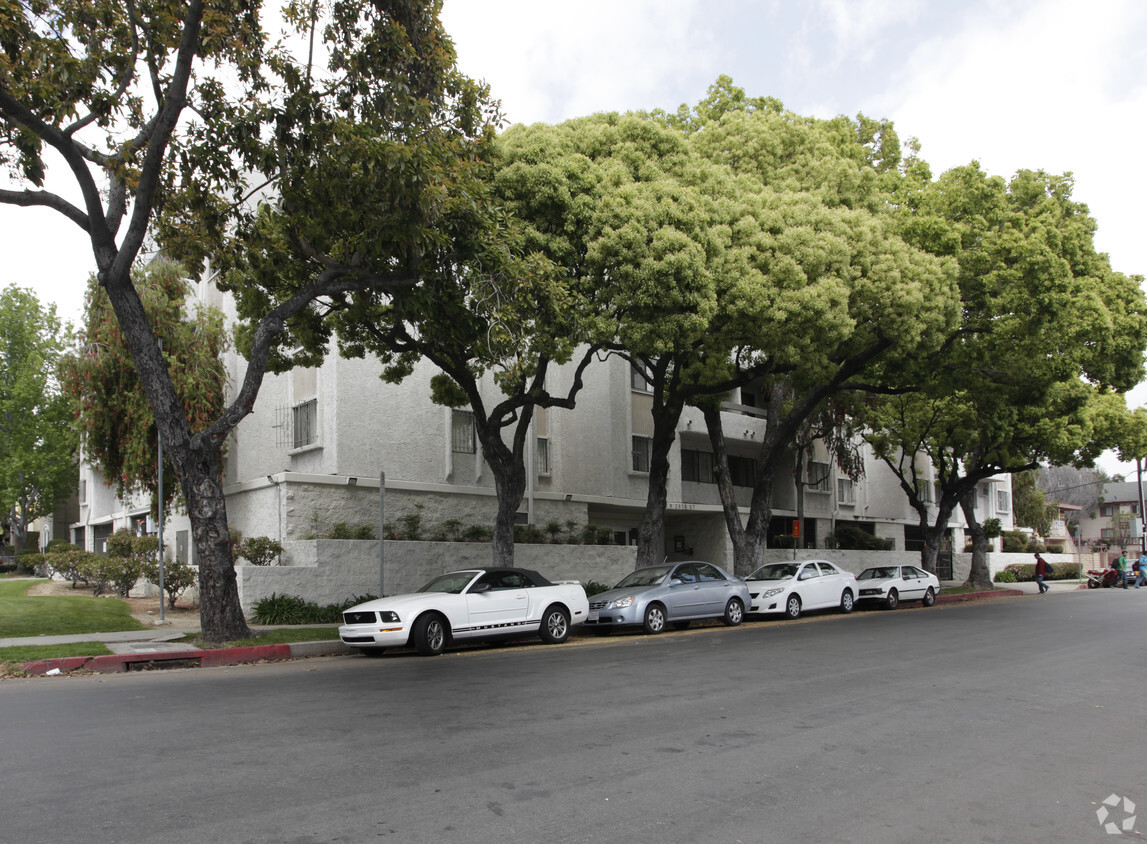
671 593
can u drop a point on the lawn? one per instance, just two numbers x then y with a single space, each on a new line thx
59 615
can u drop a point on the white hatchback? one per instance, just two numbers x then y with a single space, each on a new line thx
792 588
892 584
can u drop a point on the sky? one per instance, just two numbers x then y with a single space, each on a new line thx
1058 85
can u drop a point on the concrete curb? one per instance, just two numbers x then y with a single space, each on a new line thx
193 658
974 596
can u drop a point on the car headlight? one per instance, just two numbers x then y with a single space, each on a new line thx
768 593
389 617
621 603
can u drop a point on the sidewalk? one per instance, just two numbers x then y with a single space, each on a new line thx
160 648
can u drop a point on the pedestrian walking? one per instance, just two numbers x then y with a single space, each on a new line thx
1120 566
1042 569
1142 578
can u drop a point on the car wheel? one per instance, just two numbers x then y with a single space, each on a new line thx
846 601
793 606
429 634
893 600
654 619
555 627
929 598
734 612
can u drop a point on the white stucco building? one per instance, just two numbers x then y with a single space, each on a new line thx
310 456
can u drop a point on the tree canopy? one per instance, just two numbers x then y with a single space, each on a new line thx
37 442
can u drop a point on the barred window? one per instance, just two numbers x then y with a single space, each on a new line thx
464 440
743 471
304 419
697 466
642 450
542 461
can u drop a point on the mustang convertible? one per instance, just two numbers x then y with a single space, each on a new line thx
469 605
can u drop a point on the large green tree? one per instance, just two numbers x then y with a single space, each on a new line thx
37 441
1049 334
118 428
175 112
713 258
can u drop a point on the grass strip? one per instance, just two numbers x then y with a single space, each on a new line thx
59 615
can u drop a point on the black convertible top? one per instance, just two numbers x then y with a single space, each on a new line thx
530 574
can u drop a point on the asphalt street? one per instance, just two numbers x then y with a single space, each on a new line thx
1009 720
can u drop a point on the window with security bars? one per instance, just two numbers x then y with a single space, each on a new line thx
818 477
697 466
463 438
542 460
304 424
642 450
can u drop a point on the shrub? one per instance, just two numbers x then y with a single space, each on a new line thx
478 533
1014 541
259 550
58 545
178 577
1005 576
291 609
852 538
595 587
342 530
528 534
28 562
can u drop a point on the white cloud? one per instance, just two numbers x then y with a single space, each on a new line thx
549 62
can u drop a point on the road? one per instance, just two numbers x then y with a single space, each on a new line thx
1005 720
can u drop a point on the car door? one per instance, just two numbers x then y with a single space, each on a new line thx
810 586
683 595
496 601
915 582
715 589
835 582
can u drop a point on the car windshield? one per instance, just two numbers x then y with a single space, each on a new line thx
454 582
644 577
882 573
774 571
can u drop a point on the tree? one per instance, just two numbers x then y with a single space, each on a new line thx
1049 336
165 113
37 443
119 430
1030 507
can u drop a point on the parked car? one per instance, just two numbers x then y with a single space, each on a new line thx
792 588
892 584
671 593
475 604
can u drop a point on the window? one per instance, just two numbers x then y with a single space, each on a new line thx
84 491
743 471
304 423
638 381
818 479
708 572
924 491
1107 509
463 434
1003 501
845 491
697 466
642 448
542 459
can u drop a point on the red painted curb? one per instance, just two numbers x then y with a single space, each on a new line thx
120 663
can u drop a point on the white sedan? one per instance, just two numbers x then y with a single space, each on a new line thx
791 588
469 605
892 584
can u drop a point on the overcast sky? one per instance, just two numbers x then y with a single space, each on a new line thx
1059 85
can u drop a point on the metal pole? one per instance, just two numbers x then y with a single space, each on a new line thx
1139 473
382 501
159 510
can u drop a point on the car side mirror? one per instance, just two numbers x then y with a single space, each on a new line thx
480 587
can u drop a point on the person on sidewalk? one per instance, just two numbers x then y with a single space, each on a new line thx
1120 566
1142 578
1042 569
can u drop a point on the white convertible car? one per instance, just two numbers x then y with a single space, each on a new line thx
469 605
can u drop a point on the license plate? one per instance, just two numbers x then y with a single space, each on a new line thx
592 615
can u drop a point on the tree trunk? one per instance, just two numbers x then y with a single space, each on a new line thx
220 613
510 483
980 576
652 528
748 545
